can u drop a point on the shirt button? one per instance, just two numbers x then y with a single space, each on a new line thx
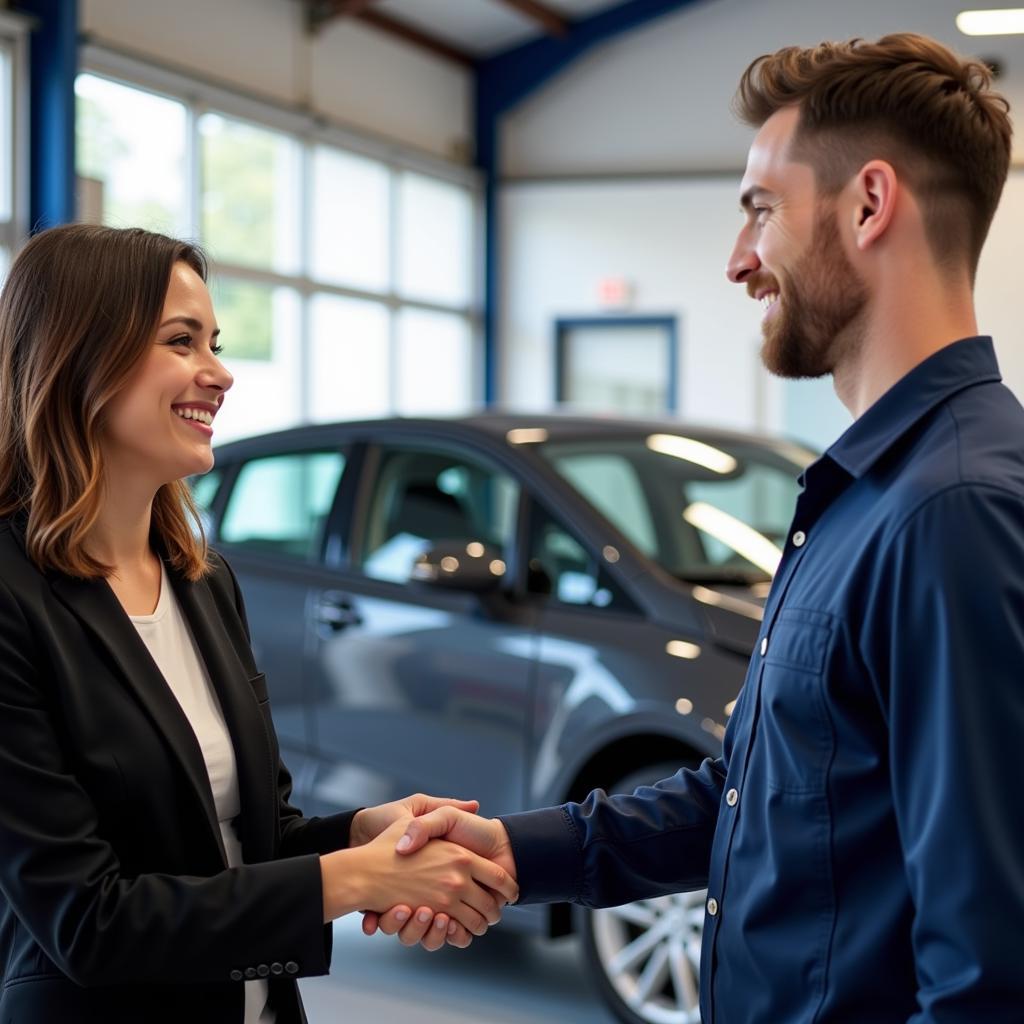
276 968
292 967
798 539
712 906
764 646
250 973
263 970
731 797
236 975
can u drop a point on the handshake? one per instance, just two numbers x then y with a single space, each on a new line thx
425 854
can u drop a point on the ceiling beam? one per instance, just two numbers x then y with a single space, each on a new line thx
551 21
322 11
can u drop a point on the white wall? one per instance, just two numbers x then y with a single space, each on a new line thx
352 74
672 239
658 98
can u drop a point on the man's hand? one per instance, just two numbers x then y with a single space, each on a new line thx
371 821
486 837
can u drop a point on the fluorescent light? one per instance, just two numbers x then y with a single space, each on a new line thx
1006 22
734 533
692 451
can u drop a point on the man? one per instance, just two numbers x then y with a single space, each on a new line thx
862 836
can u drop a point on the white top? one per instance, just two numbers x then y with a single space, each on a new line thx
170 643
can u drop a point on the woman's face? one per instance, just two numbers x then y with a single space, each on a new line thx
159 426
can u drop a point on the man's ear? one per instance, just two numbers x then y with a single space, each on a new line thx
874 202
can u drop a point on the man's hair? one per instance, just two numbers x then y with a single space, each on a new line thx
78 313
905 99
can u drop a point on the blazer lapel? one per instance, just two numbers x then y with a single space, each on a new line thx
96 605
229 673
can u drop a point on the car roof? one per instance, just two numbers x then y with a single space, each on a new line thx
496 424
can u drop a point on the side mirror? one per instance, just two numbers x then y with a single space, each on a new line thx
460 565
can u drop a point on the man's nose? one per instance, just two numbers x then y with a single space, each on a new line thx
742 263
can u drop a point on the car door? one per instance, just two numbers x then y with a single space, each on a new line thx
415 687
271 531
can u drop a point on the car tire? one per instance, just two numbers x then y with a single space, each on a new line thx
645 956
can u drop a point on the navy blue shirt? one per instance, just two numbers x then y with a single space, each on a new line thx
862 836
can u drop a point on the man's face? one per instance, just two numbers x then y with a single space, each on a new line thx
790 256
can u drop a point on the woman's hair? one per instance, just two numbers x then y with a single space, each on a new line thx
906 99
78 312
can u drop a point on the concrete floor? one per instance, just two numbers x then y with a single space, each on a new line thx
503 978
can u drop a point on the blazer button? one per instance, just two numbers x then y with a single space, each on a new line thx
263 970
236 975
292 967
250 973
276 968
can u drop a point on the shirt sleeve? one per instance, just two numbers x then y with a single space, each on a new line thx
610 850
946 639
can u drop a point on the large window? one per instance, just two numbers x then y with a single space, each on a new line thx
343 280
13 136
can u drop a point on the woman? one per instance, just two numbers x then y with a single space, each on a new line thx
151 866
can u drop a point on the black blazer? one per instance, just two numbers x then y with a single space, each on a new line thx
116 904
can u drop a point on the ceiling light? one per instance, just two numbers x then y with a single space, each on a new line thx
1006 22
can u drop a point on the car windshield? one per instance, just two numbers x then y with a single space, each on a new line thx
707 511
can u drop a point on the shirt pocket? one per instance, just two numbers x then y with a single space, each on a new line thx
794 721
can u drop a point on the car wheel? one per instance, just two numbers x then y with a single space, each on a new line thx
645 956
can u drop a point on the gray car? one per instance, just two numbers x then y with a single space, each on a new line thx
513 608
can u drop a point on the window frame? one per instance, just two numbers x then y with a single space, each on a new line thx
15 151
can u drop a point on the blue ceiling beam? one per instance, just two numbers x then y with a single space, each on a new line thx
504 81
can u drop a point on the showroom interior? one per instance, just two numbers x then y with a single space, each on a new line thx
426 208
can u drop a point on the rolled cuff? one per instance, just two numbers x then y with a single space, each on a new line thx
548 855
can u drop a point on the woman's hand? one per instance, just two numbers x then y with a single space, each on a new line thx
442 876
371 821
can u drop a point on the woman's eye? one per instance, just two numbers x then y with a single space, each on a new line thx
216 349
182 339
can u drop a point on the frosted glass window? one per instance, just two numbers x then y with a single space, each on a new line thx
251 182
130 156
349 359
435 241
267 391
434 363
350 220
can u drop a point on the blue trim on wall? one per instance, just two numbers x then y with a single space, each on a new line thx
565 324
53 64
507 79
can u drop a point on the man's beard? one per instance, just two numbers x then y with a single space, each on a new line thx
819 321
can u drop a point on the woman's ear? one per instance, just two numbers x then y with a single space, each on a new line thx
874 202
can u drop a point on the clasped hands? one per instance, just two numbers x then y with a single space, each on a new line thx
428 853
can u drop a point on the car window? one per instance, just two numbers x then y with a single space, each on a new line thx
562 569
610 482
279 503
204 490
705 512
422 496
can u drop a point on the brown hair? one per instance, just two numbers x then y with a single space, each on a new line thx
906 99
77 314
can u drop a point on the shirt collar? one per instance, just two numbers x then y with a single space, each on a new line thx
944 373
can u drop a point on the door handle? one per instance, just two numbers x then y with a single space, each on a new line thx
336 613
